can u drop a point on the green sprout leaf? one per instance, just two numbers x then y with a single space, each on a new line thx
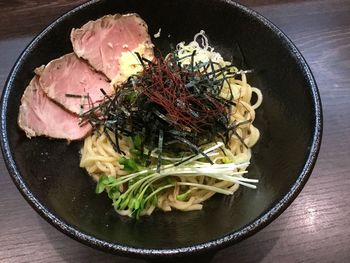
130 165
184 196
102 184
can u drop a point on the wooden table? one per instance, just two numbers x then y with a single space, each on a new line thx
315 228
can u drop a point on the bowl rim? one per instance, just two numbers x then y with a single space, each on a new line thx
220 242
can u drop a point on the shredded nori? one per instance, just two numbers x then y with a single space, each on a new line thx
170 105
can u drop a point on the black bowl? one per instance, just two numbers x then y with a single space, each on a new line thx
290 120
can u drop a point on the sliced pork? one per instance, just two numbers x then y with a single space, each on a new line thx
109 45
39 115
71 82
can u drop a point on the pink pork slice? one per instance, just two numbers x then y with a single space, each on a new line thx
39 115
102 43
71 82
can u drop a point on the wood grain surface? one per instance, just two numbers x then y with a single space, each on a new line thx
315 228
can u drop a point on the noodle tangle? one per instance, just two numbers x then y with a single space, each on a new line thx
99 158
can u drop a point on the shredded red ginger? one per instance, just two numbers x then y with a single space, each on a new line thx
183 107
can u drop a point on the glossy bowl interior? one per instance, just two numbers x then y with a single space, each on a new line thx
47 171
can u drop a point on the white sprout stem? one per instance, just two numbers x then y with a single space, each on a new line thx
246 184
165 167
177 159
220 166
207 187
248 180
200 155
198 169
225 175
234 179
130 176
190 172
215 174
223 178
158 190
